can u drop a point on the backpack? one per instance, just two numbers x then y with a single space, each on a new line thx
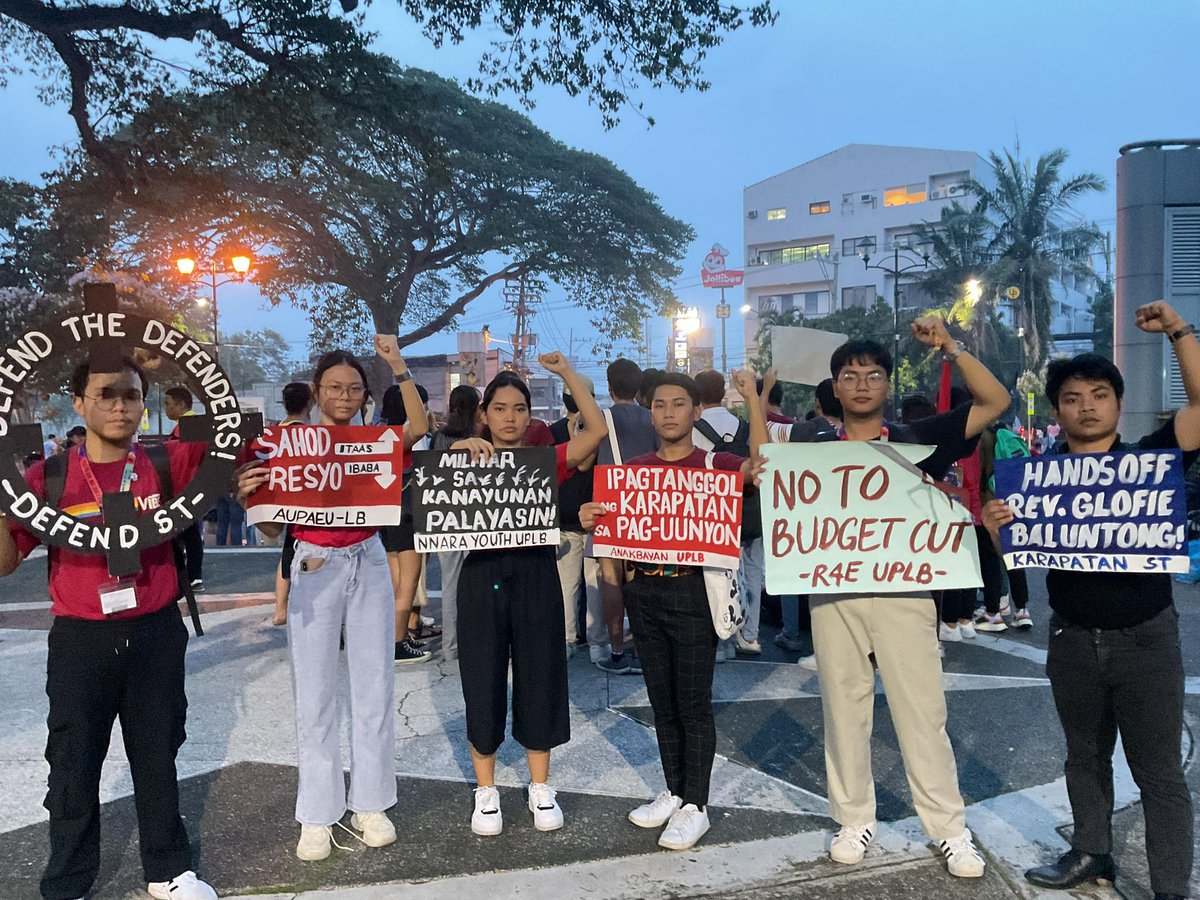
55 471
739 445
1008 446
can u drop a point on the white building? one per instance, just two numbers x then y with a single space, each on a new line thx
804 228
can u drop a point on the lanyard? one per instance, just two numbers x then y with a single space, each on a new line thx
883 432
90 477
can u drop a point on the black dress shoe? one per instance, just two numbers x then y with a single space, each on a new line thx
1159 896
1074 868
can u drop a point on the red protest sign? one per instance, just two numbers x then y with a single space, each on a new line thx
669 515
344 476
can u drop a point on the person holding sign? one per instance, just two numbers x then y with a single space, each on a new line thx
674 632
340 578
899 628
1114 660
510 608
116 648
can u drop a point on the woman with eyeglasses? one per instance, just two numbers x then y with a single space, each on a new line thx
340 577
510 608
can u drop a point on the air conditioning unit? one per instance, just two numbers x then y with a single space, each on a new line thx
752 214
937 194
957 190
866 198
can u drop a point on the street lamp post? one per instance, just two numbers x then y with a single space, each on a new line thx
865 246
239 263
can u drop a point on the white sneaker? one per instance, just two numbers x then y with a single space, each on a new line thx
949 632
808 662
182 887
487 818
377 829
967 630
314 843
684 828
850 844
1003 605
598 652
547 814
962 859
991 623
1022 619
745 646
657 812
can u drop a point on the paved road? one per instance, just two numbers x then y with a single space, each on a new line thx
769 824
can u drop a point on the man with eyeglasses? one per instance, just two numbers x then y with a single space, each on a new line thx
177 404
900 630
116 648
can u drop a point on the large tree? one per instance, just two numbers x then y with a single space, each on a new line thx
106 59
406 209
1037 236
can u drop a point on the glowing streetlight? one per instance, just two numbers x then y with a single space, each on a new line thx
239 263
186 265
974 290
746 307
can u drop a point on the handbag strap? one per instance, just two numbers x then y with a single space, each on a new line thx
613 444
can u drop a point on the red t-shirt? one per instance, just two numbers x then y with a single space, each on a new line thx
731 462
75 578
780 418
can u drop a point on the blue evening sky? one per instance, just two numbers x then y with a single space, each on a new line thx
1088 76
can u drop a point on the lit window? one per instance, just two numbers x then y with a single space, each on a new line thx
783 256
901 196
779 213
817 209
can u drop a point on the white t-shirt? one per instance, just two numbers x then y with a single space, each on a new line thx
723 422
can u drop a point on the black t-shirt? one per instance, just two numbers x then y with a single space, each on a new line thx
576 490
947 432
1112 600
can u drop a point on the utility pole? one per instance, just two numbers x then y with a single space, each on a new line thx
520 301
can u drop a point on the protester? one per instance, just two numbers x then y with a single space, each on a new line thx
1114 659
340 582
962 482
107 660
673 630
177 404
76 436
720 430
398 540
297 404
774 397
463 420
510 608
898 629
630 434
646 387
999 443
578 572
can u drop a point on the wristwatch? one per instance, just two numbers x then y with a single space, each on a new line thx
404 376
953 354
1182 332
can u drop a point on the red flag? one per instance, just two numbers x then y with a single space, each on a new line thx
943 401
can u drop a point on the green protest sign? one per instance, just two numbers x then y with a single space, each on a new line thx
855 516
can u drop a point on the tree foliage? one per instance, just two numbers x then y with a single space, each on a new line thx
103 59
407 210
1036 237
252 356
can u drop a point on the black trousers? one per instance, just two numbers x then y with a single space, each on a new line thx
193 551
991 567
510 607
95 672
673 632
1127 680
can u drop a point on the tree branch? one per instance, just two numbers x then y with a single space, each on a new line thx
459 306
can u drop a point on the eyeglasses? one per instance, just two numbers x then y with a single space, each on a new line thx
353 391
873 380
107 399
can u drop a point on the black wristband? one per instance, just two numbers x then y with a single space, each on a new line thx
1182 332
404 376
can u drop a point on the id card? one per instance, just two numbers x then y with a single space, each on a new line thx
118 596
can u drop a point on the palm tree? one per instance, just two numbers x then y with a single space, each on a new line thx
1036 236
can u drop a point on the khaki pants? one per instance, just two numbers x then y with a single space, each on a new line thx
901 633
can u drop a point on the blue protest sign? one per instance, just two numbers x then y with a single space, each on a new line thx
1095 512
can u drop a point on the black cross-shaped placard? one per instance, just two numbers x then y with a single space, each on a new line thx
26 439
118 510
199 429
105 356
